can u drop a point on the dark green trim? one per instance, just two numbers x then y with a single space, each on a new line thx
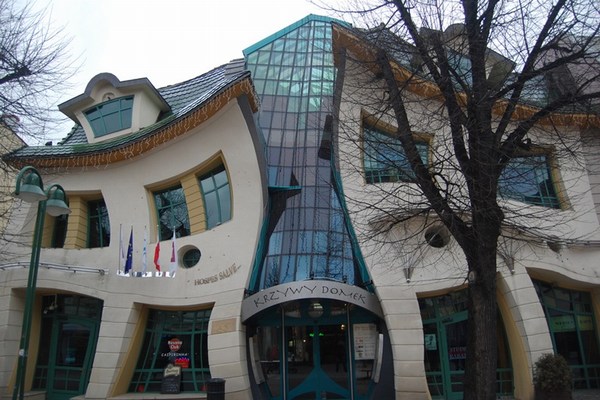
339 191
260 252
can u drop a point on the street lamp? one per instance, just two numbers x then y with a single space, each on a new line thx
30 188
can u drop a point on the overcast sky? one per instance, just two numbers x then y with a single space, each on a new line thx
166 41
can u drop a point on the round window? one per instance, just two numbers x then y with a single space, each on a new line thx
437 236
191 257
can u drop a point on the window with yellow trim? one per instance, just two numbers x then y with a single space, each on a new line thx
528 179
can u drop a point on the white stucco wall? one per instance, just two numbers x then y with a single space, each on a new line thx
123 187
434 271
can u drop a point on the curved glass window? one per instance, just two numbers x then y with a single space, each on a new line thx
98 224
178 338
172 212
573 329
385 160
529 179
110 116
59 231
217 196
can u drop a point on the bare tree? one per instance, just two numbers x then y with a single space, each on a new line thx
501 88
34 68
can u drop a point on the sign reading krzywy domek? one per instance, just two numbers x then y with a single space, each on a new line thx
310 289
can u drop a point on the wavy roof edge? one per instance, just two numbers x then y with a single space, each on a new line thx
184 98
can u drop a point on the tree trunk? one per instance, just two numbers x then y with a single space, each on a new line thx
481 363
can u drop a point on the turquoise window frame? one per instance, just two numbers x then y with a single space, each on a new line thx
98 224
111 116
216 194
529 179
572 326
385 159
191 327
445 378
172 212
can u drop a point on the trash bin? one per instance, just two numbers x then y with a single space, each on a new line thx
215 389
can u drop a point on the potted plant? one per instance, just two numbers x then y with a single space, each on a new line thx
552 378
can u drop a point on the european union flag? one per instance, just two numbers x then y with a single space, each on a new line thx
129 261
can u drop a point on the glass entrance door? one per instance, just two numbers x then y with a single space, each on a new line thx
445 354
71 355
316 349
69 333
324 372
445 345
454 331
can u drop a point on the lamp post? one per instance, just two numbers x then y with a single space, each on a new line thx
29 187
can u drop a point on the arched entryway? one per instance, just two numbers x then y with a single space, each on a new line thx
316 348
69 333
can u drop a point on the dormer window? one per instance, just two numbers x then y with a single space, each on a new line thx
110 116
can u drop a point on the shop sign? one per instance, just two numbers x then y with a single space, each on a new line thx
182 360
457 353
309 289
566 323
171 380
562 323
585 323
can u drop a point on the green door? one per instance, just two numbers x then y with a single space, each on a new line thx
69 332
445 344
72 348
445 354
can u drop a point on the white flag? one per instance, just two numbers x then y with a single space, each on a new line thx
144 252
173 268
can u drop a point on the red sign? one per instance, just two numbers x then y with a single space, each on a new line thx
457 353
183 362
174 344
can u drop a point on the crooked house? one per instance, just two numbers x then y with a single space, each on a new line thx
214 228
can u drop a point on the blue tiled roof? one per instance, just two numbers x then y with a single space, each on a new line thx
182 97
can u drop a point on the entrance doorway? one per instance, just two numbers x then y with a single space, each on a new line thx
445 355
324 372
317 349
70 326
445 343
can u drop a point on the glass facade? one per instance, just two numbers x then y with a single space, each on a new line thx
307 232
